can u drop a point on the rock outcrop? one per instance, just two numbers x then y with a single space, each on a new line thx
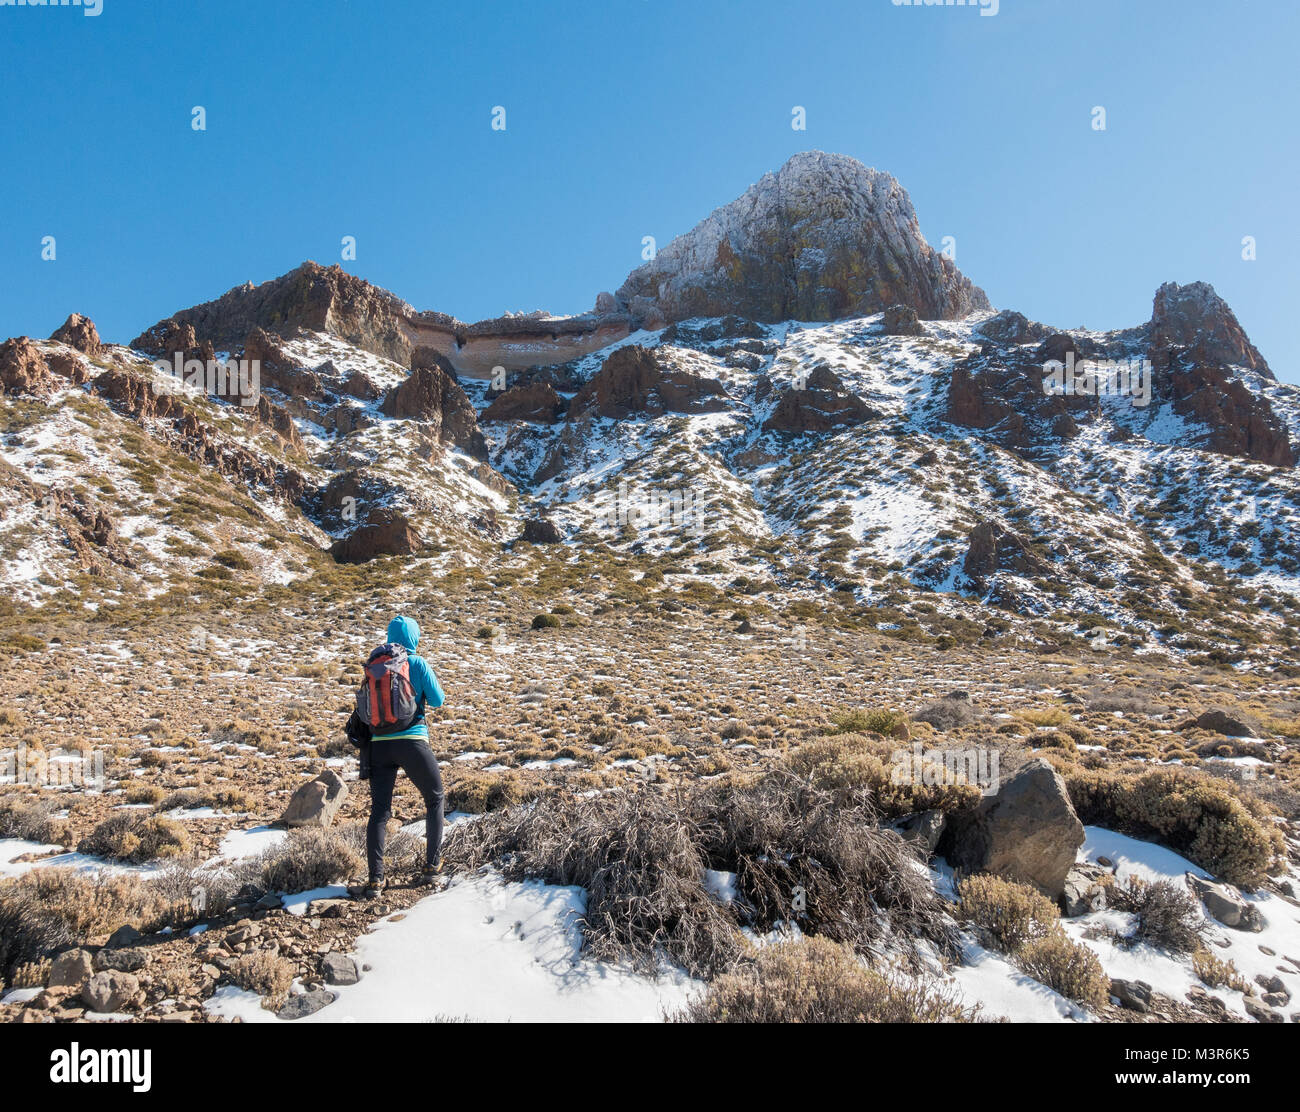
23 369
384 533
823 238
79 332
634 381
536 401
1195 343
821 405
431 395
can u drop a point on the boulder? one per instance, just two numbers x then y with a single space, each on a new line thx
305 1003
1027 831
339 969
1224 722
71 969
541 530
316 802
125 935
79 332
123 961
1084 892
925 829
1134 995
110 991
1226 904
901 320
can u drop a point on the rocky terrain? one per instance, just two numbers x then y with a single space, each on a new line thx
790 502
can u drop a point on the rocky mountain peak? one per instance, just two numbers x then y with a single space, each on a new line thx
1197 320
823 238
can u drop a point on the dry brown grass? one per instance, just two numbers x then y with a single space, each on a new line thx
816 981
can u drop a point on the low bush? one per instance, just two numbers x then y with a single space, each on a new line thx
308 858
265 973
1167 916
851 763
136 838
815 980
1069 967
1194 814
1008 913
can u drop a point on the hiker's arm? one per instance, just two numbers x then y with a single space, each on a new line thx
432 689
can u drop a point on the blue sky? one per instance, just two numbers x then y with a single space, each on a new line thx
328 118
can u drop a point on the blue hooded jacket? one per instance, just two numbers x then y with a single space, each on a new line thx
406 632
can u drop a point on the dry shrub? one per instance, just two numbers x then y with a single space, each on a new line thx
1008 913
308 858
219 799
30 819
642 857
477 793
136 838
846 764
636 856
1167 915
1191 813
816 981
1069 967
861 883
265 973
48 909
946 714
1217 972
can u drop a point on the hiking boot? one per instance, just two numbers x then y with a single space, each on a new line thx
372 889
430 874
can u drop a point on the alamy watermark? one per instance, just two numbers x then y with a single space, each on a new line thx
53 768
682 509
88 7
986 7
977 767
237 379
1129 378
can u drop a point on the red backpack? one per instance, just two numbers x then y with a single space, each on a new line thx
386 701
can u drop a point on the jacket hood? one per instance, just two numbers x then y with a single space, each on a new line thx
404 631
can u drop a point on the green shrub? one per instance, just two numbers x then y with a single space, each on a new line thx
546 621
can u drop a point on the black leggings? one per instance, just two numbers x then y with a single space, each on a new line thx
416 759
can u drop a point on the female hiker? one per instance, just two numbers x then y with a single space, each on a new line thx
399 686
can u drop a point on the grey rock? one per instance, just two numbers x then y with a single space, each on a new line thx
1083 892
305 1004
1027 831
1134 995
925 828
1226 904
71 969
123 936
317 801
110 991
339 969
123 961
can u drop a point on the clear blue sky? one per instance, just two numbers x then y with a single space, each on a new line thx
627 118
